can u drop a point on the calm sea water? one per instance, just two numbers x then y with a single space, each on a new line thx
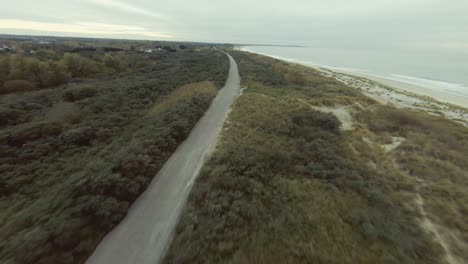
446 72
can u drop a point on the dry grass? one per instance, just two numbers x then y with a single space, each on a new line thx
433 156
278 192
186 92
432 162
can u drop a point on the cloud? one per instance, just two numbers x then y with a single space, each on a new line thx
454 46
108 27
83 28
128 8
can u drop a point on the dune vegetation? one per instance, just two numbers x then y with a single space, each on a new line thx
75 155
290 183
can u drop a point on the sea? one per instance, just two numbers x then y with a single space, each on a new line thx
444 72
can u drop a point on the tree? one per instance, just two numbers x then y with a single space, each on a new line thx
72 63
4 69
31 69
16 68
47 55
111 62
79 66
59 73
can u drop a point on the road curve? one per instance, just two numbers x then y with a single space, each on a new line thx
144 234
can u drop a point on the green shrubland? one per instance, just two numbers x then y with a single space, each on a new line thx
20 73
75 157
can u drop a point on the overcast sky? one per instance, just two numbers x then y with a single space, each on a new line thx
411 24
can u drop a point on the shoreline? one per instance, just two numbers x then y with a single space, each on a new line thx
406 87
440 96
399 95
396 93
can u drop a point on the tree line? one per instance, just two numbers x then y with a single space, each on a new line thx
48 69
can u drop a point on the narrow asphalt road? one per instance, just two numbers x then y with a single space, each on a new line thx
145 233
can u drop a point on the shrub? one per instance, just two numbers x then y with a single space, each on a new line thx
79 136
295 77
390 119
79 93
79 66
33 132
17 86
329 122
326 121
111 62
9 116
64 112
132 165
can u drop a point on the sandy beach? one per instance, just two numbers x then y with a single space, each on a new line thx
402 94
437 95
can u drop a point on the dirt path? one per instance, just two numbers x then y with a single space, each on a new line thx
428 225
145 233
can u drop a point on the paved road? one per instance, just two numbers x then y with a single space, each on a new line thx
145 233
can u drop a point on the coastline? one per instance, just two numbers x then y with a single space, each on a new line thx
411 88
397 93
422 87
402 95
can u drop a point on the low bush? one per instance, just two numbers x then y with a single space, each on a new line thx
33 131
15 86
295 77
326 121
79 93
64 112
9 116
390 119
81 136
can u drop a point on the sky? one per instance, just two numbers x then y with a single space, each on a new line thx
371 24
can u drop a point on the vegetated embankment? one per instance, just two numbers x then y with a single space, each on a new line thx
288 183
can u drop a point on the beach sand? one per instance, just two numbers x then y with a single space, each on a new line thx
403 95
399 94
437 95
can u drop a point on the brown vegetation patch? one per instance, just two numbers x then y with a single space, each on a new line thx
186 92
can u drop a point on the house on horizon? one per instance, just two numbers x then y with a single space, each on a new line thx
46 42
5 48
151 50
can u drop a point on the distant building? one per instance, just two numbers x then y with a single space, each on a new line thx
46 42
148 50
5 48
